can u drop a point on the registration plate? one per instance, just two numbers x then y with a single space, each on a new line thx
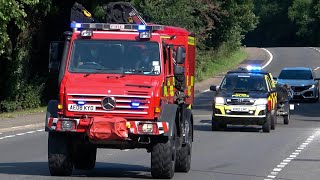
87 108
241 109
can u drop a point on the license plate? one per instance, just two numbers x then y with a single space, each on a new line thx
87 108
116 26
241 109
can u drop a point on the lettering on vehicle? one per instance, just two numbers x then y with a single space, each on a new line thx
240 95
75 107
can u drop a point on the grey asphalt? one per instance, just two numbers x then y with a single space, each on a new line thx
240 153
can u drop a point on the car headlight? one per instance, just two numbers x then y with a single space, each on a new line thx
312 86
261 101
219 100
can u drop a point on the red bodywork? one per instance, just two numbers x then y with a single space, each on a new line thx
124 121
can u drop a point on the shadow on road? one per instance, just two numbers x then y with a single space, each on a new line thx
206 126
101 170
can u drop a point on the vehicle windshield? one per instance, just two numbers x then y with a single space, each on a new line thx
296 74
115 57
244 83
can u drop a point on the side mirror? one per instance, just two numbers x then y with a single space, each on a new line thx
213 88
55 56
181 55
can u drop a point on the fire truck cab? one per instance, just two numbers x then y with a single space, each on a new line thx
122 86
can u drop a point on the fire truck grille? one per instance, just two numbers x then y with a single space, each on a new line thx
130 103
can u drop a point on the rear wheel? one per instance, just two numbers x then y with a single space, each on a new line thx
267 125
85 157
60 154
183 160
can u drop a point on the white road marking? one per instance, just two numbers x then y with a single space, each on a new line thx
316 68
21 134
279 167
270 58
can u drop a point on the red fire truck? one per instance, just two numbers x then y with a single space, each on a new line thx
122 86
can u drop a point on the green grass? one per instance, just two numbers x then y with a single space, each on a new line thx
22 112
209 64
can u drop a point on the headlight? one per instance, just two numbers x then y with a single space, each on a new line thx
219 100
312 86
261 101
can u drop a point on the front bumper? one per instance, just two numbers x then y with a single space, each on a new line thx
107 128
248 114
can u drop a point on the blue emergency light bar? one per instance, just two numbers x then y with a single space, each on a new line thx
107 26
253 68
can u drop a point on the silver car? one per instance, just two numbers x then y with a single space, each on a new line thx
302 81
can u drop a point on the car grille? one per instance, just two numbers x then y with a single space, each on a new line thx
299 88
240 101
122 105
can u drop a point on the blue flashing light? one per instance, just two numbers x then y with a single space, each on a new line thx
253 68
75 25
81 103
134 104
142 27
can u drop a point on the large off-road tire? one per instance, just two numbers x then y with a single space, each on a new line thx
183 156
163 157
273 122
267 125
59 155
85 157
286 119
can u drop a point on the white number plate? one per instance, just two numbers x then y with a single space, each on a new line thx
116 26
87 108
241 109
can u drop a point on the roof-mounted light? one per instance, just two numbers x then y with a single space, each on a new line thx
106 26
253 68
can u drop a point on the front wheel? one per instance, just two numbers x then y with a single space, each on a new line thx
273 122
60 154
267 125
163 157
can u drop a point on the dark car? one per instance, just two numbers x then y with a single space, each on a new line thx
245 98
303 82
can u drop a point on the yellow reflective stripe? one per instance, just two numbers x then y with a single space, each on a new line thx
173 81
165 91
189 90
192 81
165 37
191 40
189 107
171 90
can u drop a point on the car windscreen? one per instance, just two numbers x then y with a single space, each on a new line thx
296 74
233 82
115 56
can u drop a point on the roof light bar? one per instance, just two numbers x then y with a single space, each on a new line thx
106 26
253 68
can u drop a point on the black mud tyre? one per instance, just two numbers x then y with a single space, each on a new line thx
267 125
85 157
286 119
59 155
183 155
163 157
273 122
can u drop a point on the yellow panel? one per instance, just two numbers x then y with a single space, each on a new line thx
191 41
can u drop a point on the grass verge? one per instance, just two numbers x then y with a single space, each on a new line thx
22 112
209 64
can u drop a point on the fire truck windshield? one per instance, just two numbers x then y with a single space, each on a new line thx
115 57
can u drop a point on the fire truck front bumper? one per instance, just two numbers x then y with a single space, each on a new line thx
107 128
